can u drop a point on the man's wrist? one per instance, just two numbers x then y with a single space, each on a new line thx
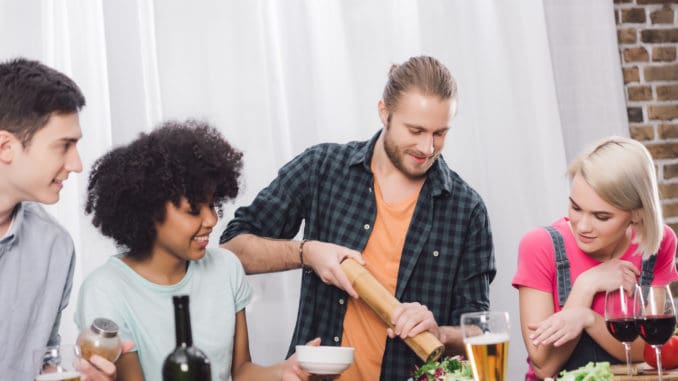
301 253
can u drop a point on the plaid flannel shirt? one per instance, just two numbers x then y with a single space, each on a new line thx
447 262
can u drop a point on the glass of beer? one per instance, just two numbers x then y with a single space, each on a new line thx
57 363
486 337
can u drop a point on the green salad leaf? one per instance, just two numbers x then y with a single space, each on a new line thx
593 371
447 369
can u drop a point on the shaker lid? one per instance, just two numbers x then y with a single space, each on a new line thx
104 327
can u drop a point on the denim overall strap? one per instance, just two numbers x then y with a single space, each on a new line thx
647 273
587 349
562 265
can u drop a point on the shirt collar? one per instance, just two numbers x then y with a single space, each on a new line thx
363 155
438 176
17 219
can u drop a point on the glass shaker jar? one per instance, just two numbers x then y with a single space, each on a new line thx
100 338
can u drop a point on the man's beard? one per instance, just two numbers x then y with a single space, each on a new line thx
396 157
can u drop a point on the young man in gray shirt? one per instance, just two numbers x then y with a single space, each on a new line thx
39 129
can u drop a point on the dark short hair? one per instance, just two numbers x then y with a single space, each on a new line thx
30 92
129 187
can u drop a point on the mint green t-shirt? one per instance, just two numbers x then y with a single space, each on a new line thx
144 310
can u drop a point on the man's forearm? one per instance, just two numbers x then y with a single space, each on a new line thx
264 255
453 339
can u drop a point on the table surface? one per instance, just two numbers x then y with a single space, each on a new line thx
642 372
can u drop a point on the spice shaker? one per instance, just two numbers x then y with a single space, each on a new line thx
100 338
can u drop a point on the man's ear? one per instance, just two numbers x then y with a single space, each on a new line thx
8 144
383 112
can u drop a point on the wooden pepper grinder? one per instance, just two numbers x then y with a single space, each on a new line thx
425 344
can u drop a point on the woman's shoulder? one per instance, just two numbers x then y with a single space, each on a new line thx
108 273
668 243
669 234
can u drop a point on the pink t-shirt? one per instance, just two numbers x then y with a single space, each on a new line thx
537 264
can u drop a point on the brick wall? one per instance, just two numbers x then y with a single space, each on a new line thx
647 32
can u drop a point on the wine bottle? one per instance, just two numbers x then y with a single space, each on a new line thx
186 362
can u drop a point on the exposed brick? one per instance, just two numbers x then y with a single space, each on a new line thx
616 17
622 1
670 171
664 53
662 16
633 15
627 36
642 132
661 73
667 93
670 209
659 35
669 190
638 54
668 131
639 93
673 226
640 2
664 150
662 112
635 114
631 74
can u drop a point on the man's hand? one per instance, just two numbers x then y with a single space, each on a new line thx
325 259
100 369
410 319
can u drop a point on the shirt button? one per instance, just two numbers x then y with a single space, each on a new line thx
436 253
369 190
336 339
341 301
367 226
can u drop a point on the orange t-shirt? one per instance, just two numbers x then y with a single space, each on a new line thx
363 329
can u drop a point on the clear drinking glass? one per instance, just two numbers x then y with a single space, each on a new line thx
57 363
656 318
486 338
620 318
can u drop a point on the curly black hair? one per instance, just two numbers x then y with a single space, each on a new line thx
130 186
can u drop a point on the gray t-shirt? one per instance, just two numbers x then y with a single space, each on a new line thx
36 272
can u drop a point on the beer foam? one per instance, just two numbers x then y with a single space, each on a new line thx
487 338
58 376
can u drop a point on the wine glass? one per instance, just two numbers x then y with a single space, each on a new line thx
57 363
620 318
656 318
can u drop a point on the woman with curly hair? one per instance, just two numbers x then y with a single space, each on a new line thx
158 198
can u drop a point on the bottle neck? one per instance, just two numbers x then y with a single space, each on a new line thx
182 325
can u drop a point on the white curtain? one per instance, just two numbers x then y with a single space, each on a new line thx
276 77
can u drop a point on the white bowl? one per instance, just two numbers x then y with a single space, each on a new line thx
324 359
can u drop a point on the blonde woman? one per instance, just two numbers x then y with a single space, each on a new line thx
613 236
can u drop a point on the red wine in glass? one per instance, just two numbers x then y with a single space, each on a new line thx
658 329
621 319
624 329
656 318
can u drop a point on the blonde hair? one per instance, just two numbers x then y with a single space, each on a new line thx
423 73
621 172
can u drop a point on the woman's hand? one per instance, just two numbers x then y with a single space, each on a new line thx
561 327
292 370
609 275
